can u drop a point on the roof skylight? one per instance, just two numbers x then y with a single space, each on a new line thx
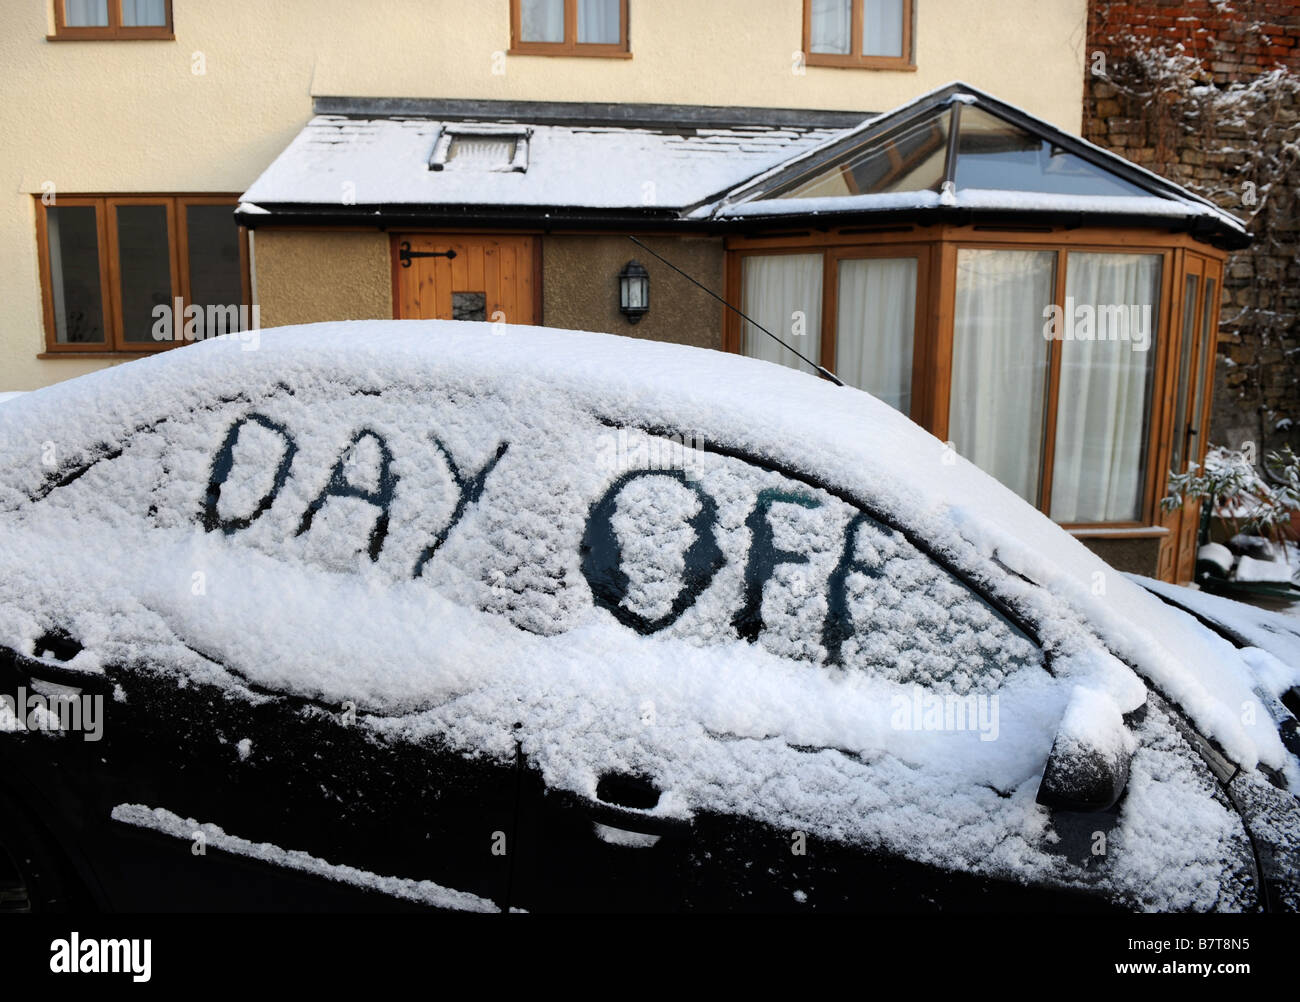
502 149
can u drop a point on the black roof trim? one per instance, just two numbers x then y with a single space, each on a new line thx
567 218
521 217
587 113
1204 228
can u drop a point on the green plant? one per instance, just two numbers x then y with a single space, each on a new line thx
1231 489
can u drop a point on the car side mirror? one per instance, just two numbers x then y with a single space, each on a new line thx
1088 766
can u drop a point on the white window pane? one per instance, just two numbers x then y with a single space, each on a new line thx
598 22
999 363
832 26
86 13
783 292
144 13
541 20
882 27
1107 359
874 329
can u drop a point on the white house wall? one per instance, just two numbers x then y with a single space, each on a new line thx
139 116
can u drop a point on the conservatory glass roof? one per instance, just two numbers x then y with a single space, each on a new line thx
990 152
958 148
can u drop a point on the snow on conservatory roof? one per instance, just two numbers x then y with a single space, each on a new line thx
959 148
950 155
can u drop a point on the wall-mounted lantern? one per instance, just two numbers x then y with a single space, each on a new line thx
634 291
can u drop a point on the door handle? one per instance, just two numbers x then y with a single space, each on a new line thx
624 804
404 253
636 822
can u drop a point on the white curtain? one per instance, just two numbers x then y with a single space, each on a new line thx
832 26
875 326
86 13
598 22
999 363
783 292
882 27
140 13
1101 418
542 20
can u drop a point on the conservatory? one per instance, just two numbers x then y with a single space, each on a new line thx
1044 306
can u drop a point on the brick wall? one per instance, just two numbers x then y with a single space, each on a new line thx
1208 94
1234 41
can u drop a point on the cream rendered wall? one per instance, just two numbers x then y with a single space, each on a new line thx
105 117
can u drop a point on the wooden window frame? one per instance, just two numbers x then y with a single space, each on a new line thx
570 46
115 30
1051 400
854 59
115 269
114 344
933 345
920 252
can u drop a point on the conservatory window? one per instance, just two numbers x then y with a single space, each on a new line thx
1000 363
868 335
1104 338
1103 413
783 292
875 327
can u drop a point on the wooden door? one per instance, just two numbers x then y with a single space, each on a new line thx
490 278
1198 310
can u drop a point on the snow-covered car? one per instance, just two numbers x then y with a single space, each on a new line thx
432 614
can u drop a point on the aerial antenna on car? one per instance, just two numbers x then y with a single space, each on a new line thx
823 372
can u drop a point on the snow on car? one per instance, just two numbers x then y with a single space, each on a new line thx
522 618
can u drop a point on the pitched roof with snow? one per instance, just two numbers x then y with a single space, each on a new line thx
955 154
386 161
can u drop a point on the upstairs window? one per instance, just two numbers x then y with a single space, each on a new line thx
569 28
112 19
873 34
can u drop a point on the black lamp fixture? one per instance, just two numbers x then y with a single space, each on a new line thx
634 291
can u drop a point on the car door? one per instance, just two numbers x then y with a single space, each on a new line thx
208 789
745 564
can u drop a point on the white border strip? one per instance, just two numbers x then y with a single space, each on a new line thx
187 829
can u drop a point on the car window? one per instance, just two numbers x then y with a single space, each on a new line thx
728 550
552 526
